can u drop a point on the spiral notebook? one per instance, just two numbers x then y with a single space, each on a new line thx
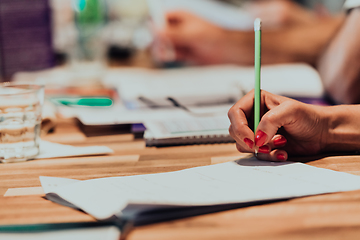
187 131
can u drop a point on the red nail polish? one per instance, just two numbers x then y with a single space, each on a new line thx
280 157
264 149
280 141
260 138
249 143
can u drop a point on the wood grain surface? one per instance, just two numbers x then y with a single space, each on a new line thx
330 216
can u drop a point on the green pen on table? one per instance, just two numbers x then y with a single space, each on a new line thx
84 101
257 92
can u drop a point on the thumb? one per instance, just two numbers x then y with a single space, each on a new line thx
277 117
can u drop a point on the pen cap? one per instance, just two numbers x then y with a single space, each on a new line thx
257 24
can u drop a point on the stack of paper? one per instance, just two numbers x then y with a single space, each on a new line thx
202 189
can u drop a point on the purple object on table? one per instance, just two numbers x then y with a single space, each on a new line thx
138 130
25 36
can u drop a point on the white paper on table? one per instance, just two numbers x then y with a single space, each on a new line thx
54 150
211 85
243 181
53 183
122 115
95 233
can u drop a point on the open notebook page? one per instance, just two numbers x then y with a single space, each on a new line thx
188 131
246 180
188 126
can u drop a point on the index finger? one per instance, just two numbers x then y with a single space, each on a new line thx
239 114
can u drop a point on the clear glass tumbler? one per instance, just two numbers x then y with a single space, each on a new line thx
20 121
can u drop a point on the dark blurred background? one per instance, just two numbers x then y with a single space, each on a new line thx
40 34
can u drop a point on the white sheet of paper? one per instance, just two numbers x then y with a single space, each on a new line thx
53 150
211 84
24 191
125 116
245 180
99 233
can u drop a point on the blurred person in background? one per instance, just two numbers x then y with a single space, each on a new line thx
291 33
339 65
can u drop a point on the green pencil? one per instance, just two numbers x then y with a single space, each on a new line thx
257 94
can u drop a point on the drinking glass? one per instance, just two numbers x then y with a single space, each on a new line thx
20 121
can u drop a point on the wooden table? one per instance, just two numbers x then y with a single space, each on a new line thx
330 216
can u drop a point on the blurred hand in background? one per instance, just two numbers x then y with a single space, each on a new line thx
290 34
195 40
282 13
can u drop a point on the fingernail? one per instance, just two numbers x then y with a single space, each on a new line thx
280 157
249 143
260 138
264 149
280 141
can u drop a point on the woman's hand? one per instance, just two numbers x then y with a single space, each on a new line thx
197 41
286 127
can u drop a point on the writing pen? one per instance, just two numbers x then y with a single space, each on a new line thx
84 101
257 66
